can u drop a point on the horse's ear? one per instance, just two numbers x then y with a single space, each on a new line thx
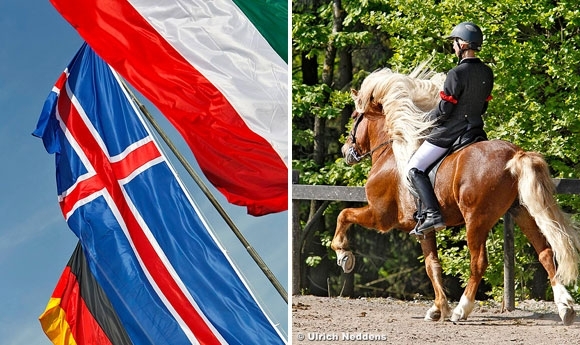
353 92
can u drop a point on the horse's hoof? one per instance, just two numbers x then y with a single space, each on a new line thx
346 261
456 317
463 309
567 315
433 314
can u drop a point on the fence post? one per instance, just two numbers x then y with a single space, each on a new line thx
508 263
296 256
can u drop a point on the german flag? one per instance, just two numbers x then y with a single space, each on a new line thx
79 312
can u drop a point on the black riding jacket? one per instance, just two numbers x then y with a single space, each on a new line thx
464 99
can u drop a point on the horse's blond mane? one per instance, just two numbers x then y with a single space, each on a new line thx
406 101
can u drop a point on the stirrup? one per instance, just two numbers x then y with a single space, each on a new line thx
421 233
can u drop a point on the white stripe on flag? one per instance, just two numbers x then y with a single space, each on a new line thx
219 41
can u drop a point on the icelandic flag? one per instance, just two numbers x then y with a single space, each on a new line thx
217 70
145 243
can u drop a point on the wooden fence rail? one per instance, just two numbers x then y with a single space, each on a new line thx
357 194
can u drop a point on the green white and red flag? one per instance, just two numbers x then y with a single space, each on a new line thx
217 70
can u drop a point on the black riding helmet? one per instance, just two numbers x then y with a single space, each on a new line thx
470 33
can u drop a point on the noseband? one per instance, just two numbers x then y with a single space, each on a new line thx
352 154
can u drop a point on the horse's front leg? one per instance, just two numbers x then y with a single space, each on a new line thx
363 216
440 309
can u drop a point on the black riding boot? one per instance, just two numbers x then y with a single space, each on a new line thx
432 215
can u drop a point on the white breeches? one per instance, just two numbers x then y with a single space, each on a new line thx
425 155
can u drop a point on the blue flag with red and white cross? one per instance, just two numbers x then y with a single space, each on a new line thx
162 270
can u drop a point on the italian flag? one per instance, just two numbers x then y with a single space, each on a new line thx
217 70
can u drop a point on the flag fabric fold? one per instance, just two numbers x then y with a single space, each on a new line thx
218 71
145 243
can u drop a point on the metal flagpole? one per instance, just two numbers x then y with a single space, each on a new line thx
210 196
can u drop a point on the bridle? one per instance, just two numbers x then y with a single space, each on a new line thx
352 151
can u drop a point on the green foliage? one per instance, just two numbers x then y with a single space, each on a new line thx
311 35
534 50
313 100
313 261
336 173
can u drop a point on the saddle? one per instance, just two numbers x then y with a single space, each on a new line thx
472 135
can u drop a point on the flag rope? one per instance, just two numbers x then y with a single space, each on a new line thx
255 256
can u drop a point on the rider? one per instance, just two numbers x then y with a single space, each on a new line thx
464 99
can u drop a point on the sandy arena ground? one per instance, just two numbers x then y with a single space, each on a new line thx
337 321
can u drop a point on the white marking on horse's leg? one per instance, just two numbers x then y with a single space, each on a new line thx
345 259
564 303
433 314
463 309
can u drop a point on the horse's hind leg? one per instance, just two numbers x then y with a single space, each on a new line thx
440 309
562 298
476 238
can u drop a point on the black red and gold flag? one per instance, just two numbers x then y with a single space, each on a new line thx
78 311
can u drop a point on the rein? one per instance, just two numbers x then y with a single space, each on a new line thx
352 151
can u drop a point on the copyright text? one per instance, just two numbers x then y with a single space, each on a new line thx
342 336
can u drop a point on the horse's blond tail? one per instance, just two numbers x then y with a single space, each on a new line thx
536 192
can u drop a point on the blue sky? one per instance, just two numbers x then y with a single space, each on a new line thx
35 242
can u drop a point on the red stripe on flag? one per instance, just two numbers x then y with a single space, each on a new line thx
105 176
84 327
136 158
61 80
68 201
238 162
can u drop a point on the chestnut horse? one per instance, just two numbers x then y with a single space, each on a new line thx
475 186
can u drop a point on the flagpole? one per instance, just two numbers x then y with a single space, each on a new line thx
265 269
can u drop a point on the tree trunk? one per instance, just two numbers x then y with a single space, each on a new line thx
344 81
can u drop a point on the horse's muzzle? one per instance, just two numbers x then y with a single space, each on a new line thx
351 156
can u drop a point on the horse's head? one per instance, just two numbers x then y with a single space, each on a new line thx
356 144
363 134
